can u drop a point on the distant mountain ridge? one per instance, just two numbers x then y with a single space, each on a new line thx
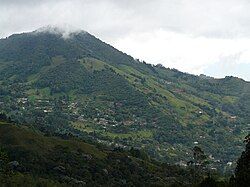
83 86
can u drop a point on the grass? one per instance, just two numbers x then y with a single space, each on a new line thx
92 64
130 70
83 126
143 134
229 99
88 127
43 93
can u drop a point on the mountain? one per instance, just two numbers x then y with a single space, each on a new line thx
82 86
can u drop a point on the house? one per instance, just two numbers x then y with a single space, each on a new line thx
229 163
179 91
233 117
22 100
103 121
181 163
128 123
81 118
47 110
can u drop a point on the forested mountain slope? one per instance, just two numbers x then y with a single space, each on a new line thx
83 86
28 158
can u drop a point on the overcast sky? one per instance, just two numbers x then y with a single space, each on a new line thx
196 36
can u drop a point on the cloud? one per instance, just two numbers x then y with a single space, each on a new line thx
65 31
185 34
187 53
112 18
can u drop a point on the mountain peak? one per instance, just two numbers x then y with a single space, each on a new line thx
64 30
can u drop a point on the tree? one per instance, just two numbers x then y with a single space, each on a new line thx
242 171
199 156
208 182
3 117
139 154
3 159
198 164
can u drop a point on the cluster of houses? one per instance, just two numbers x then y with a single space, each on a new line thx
39 104
103 118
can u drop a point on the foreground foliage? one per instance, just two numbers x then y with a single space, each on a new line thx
29 158
32 159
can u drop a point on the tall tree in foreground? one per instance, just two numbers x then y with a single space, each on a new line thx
198 164
242 172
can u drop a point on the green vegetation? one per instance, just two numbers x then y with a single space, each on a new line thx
32 159
51 83
242 176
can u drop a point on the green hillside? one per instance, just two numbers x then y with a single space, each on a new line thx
28 158
85 87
